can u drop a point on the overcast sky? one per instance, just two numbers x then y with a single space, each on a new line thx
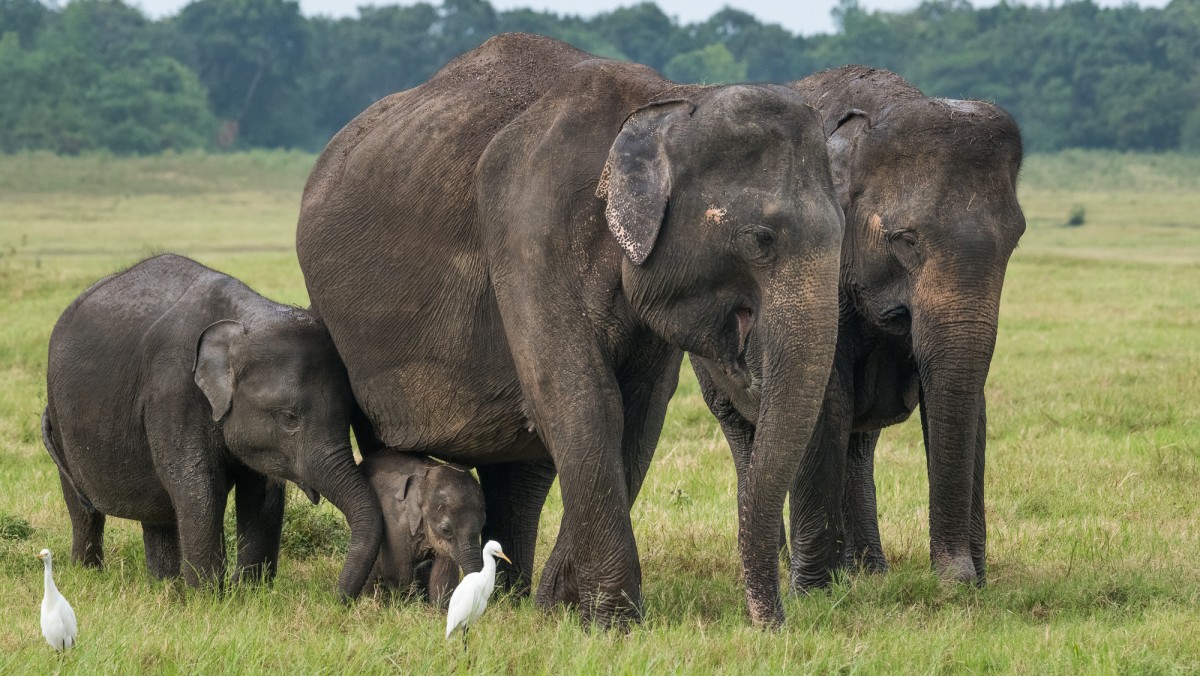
799 16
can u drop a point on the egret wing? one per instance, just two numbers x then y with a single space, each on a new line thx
462 602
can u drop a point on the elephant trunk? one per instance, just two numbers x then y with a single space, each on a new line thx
468 554
340 480
797 335
953 341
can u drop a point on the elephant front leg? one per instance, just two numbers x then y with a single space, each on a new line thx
259 503
513 495
864 550
200 512
594 562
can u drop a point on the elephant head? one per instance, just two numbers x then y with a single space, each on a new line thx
439 505
725 209
929 191
283 401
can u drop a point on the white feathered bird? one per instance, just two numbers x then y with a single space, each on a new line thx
58 618
470 598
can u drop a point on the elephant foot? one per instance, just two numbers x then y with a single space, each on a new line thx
601 609
558 586
257 573
805 578
960 568
868 562
764 613
610 611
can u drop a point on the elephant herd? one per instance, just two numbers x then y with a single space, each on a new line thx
511 260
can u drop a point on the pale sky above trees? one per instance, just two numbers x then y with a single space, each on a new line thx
805 17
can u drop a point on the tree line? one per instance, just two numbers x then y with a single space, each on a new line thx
99 74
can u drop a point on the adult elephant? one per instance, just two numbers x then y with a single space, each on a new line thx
928 187
512 257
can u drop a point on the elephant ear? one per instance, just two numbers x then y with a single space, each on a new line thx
212 370
637 176
844 135
409 495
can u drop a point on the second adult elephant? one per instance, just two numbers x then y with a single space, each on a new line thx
512 258
929 192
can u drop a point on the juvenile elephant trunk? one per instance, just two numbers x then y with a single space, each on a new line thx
953 343
798 332
344 484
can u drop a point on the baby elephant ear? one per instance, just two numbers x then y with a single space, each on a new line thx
213 373
637 176
410 496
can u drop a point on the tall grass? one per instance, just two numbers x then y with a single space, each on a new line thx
1093 463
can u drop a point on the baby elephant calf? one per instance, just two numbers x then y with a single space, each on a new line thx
432 512
168 385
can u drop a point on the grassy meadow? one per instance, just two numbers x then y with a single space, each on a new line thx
1093 464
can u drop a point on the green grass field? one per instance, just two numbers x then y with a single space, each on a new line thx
1093 463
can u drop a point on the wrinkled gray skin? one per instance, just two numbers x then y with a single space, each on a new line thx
929 191
512 258
170 384
432 512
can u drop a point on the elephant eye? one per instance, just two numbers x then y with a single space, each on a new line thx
756 243
287 420
446 530
903 244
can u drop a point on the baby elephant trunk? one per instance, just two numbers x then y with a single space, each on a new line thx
468 554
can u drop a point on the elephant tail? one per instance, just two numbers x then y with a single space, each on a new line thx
57 456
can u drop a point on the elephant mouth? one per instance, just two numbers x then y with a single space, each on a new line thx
745 320
311 493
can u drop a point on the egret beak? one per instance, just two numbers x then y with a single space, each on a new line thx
40 556
501 555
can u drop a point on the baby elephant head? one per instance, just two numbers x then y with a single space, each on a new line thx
446 509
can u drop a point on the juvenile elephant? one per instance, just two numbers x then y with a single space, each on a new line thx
512 257
168 385
432 512
929 190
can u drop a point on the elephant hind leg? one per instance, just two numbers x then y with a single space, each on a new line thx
87 527
864 549
162 549
514 494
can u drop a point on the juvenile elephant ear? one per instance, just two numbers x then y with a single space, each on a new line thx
844 134
637 177
212 370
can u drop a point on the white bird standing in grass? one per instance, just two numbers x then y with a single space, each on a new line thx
58 618
471 596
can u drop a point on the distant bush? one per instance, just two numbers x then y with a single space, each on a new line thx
1077 217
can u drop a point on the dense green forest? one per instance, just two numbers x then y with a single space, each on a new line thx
98 74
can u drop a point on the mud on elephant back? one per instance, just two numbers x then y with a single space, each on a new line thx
512 258
928 187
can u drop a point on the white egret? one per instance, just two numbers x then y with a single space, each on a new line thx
58 618
470 598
